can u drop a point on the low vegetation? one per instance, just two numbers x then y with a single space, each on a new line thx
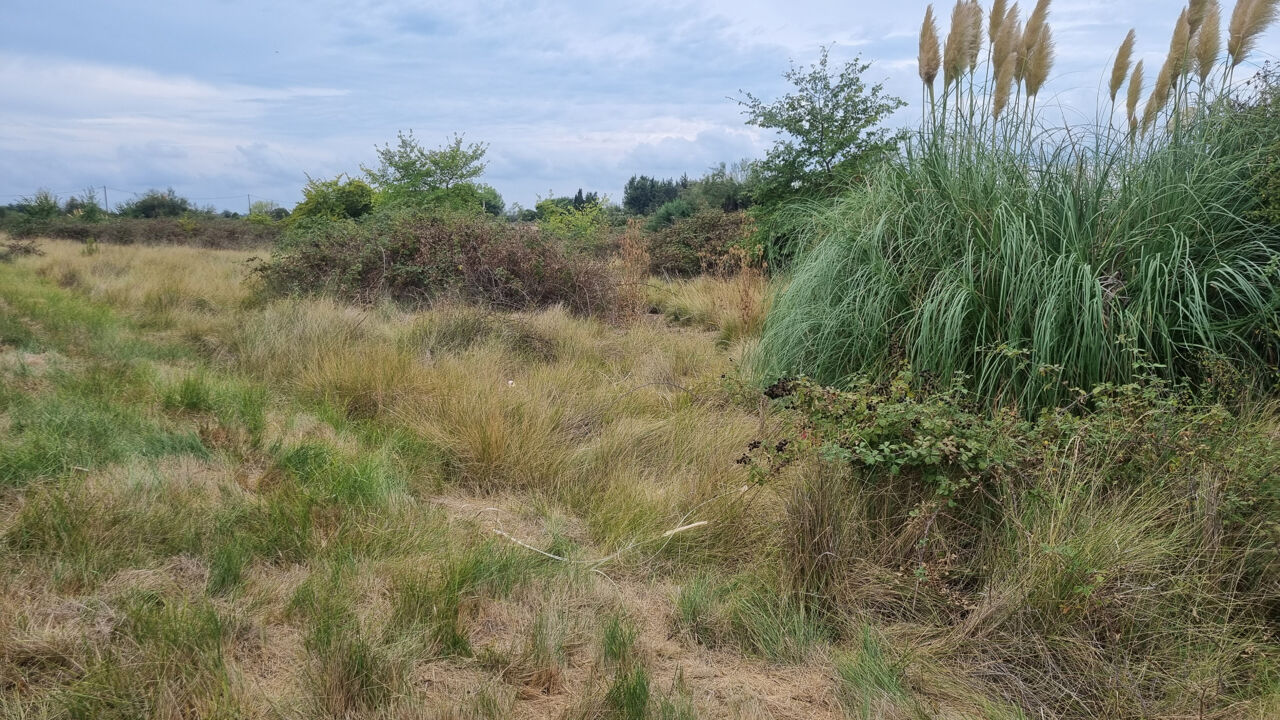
1003 444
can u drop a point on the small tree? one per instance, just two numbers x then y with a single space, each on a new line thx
409 167
828 128
41 206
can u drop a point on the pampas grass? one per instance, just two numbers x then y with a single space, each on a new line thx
1120 70
1208 41
1031 260
973 43
996 20
930 57
1040 62
1131 99
1248 21
960 42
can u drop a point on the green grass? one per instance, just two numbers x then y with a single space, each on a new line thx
1034 262
169 659
870 685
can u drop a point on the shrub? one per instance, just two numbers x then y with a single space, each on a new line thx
209 232
701 243
333 200
18 247
580 228
670 212
1064 547
418 257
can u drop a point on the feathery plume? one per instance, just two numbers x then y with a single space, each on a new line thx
1030 34
929 58
998 10
973 43
1180 46
1005 43
955 53
1248 21
1123 57
1004 84
1040 62
1135 92
1159 95
1208 41
1196 11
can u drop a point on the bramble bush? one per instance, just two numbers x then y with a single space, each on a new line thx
420 256
701 243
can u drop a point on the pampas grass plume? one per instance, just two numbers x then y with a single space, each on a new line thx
1135 92
929 58
1121 68
998 10
1248 21
973 43
1208 41
1040 61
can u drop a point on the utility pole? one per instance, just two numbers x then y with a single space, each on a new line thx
249 205
106 204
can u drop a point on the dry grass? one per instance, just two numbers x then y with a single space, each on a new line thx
456 513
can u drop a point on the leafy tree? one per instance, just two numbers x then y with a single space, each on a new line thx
490 200
156 204
643 195
829 129
43 205
409 167
726 187
334 199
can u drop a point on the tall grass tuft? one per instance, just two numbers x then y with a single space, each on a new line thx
1033 260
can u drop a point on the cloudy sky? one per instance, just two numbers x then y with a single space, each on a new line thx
222 98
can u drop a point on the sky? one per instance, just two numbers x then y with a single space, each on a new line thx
225 100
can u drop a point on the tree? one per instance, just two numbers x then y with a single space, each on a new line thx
490 200
643 194
409 167
828 128
155 204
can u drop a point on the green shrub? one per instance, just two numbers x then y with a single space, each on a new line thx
1137 525
669 212
333 200
155 204
701 243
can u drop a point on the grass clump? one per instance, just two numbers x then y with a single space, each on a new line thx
434 605
870 686
168 660
1035 261
349 671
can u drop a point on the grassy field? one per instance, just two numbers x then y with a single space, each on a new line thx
216 505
